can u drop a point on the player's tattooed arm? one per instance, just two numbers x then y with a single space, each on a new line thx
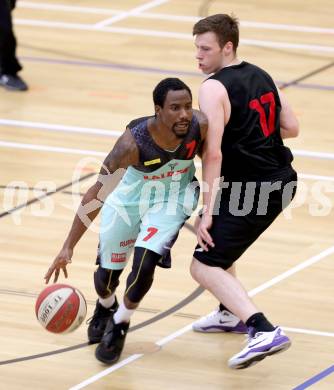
203 123
124 154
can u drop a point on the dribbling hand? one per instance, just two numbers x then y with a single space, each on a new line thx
60 262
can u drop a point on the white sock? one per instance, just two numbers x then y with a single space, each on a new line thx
107 302
123 314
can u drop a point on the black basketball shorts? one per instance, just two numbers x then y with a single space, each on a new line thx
246 210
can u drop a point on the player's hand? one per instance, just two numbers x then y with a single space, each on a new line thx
203 224
60 262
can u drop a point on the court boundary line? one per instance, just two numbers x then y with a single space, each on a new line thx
166 34
315 378
308 331
173 312
45 195
185 301
307 75
84 152
134 11
145 69
102 132
312 260
175 18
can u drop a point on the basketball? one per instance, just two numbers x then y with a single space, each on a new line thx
60 308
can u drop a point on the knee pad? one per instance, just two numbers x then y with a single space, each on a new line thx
106 281
141 277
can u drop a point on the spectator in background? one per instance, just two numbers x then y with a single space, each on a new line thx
9 65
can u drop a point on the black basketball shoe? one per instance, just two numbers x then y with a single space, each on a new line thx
98 322
112 343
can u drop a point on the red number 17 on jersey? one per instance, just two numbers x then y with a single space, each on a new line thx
267 125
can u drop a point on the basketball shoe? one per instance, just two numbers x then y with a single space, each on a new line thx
219 321
98 322
259 346
111 346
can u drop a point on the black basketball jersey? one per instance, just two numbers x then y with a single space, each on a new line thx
252 146
152 156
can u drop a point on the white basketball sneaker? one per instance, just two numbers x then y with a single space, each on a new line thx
219 321
259 346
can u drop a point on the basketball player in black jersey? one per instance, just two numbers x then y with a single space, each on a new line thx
248 117
143 211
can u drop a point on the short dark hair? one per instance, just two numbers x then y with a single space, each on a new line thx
225 27
166 85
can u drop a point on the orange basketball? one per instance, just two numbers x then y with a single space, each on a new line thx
60 308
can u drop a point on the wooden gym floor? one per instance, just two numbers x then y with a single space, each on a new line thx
91 67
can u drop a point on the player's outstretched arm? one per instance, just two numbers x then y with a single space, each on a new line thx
124 154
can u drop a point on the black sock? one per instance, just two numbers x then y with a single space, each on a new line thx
222 307
259 322
114 306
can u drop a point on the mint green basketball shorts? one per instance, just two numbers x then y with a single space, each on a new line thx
125 226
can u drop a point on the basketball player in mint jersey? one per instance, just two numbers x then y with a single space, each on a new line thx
145 211
248 117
